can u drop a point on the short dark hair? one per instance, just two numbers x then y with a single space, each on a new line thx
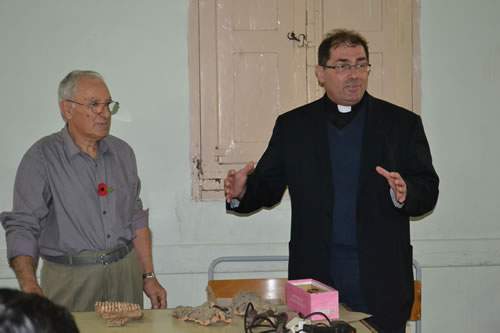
338 37
30 313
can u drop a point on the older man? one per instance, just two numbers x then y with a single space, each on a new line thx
356 168
77 205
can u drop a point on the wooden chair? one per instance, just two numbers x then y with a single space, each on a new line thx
272 289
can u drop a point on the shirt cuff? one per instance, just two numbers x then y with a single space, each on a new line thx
394 201
235 203
140 219
21 247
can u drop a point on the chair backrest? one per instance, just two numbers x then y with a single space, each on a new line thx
216 261
272 288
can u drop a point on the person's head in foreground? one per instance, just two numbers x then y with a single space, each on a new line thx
30 313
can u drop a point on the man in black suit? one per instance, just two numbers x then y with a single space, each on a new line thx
356 168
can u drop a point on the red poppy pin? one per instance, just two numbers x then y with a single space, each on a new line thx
103 189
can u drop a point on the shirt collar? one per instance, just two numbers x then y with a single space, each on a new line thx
71 147
334 106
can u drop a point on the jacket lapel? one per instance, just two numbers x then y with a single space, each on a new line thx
372 142
321 155
320 137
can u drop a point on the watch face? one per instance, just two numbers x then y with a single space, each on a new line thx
148 275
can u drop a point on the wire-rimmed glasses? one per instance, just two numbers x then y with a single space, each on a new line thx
344 68
98 108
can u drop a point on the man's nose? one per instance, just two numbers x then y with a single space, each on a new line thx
352 72
105 112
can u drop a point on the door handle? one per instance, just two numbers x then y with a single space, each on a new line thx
301 38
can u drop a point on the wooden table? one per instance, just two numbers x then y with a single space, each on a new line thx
156 321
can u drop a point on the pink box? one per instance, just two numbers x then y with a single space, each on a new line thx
309 296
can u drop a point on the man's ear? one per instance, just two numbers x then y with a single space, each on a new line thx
320 74
66 109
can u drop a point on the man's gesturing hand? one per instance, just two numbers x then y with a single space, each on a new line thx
396 182
235 182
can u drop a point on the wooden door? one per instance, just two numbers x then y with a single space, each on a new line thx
248 71
248 77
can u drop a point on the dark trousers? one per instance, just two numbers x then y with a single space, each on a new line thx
371 322
344 273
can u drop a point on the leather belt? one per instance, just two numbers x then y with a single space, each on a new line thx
99 258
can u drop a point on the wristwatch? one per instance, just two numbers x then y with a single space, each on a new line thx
149 275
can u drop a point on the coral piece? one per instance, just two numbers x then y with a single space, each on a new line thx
203 314
240 301
117 322
118 313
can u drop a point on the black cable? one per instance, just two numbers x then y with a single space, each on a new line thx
252 320
332 326
257 320
245 318
301 315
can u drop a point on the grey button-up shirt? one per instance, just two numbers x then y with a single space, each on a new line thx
57 206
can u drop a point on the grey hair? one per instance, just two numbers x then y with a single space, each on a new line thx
68 85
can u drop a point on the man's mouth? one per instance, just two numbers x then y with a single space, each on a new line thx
353 85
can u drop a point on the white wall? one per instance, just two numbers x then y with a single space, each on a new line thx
459 243
141 49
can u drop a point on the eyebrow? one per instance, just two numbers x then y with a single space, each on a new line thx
347 60
96 100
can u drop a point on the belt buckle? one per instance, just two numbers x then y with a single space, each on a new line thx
102 260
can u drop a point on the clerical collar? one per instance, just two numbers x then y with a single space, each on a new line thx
341 115
344 108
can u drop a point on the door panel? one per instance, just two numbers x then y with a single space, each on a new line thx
256 74
387 26
248 76
361 15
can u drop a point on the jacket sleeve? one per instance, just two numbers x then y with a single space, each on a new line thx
421 179
266 185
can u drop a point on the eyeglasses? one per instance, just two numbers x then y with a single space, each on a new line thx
98 108
344 68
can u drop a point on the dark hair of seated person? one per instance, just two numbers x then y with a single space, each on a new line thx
30 313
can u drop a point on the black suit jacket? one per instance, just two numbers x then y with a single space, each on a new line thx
297 157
